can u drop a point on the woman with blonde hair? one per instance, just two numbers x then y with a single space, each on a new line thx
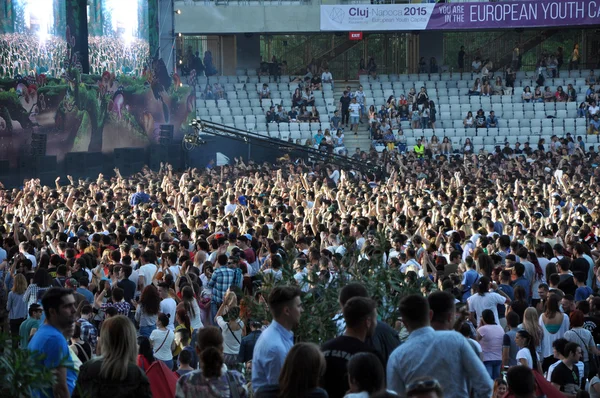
17 307
304 366
115 373
532 326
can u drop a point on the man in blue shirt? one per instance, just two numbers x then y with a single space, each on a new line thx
492 120
139 197
519 271
583 291
50 341
458 370
469 279
276 341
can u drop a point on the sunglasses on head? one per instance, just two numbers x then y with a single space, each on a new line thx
423 386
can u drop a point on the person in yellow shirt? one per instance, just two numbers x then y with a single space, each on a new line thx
419 149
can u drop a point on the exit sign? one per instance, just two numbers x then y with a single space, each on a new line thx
355 36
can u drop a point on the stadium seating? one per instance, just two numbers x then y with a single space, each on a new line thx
518 121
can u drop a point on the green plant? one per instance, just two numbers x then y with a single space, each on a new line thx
21 372
321 306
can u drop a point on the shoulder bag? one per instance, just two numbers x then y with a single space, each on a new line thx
234 393
163 343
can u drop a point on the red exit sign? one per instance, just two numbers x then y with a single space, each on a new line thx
355 35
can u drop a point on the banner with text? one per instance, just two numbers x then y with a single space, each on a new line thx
448 16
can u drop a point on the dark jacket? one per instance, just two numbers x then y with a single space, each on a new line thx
90 384
247 346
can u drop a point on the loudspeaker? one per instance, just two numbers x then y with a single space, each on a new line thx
165 135
38 144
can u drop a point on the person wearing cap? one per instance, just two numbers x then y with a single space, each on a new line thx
31 324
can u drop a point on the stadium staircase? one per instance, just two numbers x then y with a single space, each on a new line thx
352 141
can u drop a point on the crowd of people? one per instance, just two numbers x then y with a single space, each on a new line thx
195 281
25 54
117 56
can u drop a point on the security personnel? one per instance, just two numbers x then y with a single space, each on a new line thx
419 149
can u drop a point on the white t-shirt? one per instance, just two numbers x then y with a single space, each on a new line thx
335 176
32 259
196 320
174 269
524 353
231 338
156 338
168 307
147 271
489 301
360 97
355 109
326 77
230 208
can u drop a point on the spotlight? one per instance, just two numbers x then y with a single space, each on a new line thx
179 34
178 12
180 62
180 84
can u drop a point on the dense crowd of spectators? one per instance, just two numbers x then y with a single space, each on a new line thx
195 281
25 54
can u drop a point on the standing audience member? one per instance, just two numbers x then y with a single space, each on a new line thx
17 308
300 376
275 341
212 377
115 373
50 341
457 371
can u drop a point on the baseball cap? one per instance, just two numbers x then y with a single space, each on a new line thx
131 230
72 283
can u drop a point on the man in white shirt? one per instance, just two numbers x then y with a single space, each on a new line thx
168 306
360 99
147 271
231 206
174 269
411 263
326 77
23 246
334 174
354 115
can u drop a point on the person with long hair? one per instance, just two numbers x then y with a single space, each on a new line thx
490 336
519 304
17 310
145 356
527 356
555 325
302 370
532 326
147 310
366 375
190 304
211 379
500 388
115 373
